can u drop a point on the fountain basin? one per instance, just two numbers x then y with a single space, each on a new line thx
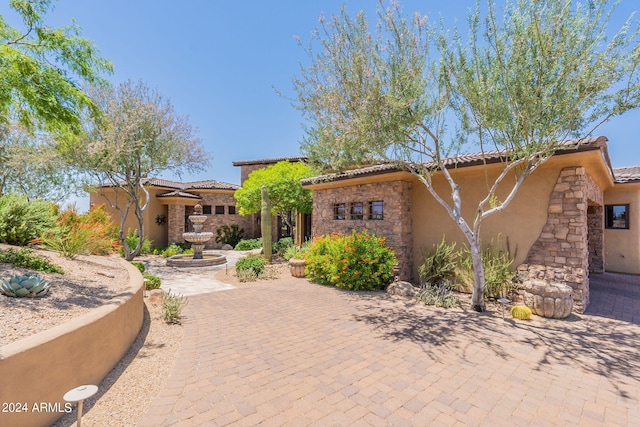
187 260
198 237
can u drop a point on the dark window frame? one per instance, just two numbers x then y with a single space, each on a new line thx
219 210
339 211
375 215
231 210
357 216
206 210
610 217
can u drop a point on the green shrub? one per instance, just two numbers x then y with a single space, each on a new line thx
132 239
247 245
359 261
521 312
282 245
90 233
140 266
152 282
27 258
174 249
498 275
438 264
229 235
440 295
297 252
254 263
246 275
22 221
172 306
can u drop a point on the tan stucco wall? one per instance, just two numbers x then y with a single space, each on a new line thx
155 232
520 223
622 247
43 367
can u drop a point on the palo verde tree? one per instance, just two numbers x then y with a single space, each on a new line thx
31 165
282 182
40 68
525 79
139 136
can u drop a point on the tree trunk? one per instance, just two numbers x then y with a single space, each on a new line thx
477 298
266 225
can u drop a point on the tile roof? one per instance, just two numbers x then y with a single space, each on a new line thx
627 174
209 184
270 161
462 160
179 194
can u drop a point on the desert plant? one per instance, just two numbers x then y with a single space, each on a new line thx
282 245
90 233
140 266
254 263
359 261
246 275
521 312
172 306
497 269
173 249
248 244
152 282
294 252
27 258
439 263
24 286
22 220
440 295
266 224
229 235
132 239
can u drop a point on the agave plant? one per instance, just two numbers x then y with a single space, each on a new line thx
24 286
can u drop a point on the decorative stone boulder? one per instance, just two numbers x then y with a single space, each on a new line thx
227 247
552 300
403 289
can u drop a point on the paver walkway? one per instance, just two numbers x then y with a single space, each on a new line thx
296 353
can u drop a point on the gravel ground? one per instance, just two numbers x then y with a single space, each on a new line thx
87 282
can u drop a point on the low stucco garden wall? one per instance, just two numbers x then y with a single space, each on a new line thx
40 369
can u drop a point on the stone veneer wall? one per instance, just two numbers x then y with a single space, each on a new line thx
562 251
177 215
175 223
396 225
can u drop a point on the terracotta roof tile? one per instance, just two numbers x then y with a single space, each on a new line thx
269 161
179 194
627 174
462 160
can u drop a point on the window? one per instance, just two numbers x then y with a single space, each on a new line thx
357 210
231 210
219 210
206 210
339 211
376 210
616 216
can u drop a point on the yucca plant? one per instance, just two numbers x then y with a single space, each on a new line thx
24 286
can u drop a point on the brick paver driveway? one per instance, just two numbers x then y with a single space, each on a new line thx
296 353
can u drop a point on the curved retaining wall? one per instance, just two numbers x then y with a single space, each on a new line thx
37 371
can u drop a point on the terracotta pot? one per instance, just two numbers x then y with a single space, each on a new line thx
296 266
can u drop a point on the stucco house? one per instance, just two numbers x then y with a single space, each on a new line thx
574 215
171 202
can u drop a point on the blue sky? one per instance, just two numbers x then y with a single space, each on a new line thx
218 61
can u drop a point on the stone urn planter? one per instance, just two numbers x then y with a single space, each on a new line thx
296 266
552 300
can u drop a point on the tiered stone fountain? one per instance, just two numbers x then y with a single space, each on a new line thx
198 239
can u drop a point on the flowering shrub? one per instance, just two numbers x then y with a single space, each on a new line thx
359 261
91 233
